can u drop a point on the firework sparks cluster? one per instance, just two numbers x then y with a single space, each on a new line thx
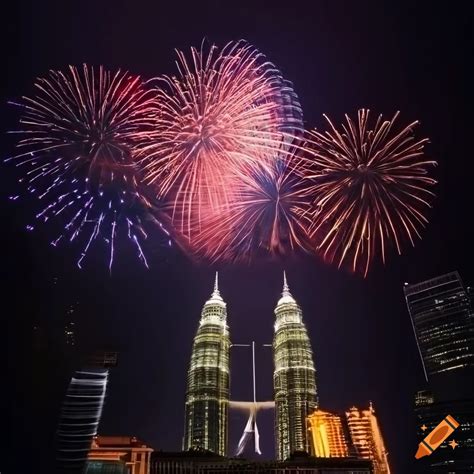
216 159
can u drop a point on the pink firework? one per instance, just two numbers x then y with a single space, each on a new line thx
224 116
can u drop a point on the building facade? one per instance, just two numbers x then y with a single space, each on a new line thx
367 438
117 454
207 394
328 436
79 419
207 463
443 322
294 377
429 412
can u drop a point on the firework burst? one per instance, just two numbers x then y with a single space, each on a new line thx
265 218
79 137
370 189
224 116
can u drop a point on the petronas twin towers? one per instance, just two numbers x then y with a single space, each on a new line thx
208 382
207 394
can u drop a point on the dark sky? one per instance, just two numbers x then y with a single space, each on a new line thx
386 56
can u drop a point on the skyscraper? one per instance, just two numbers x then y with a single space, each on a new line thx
367 438
80 417
207 395
81 412
443 322
328 437
294 377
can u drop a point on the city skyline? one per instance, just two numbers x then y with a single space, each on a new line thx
340 57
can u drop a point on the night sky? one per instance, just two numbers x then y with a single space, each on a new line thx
340 56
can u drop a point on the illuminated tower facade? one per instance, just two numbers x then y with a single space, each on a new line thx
367 438
328 438
207 395
443 322
81 412
294 377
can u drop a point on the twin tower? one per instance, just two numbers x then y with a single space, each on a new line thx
208 382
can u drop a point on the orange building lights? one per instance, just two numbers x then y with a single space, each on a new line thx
327 435
367 438
355 435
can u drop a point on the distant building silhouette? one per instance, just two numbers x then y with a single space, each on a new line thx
429 412
70 336
207 394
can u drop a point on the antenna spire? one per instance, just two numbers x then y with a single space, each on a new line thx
216 285
286 289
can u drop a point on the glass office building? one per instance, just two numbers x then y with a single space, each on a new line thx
443 321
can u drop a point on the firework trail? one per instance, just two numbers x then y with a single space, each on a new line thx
370 189
79 137
266 218
224 116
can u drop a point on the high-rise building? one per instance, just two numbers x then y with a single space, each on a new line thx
294 377
328 437
367 438
443 322
70 325
80 417
207 394
81 412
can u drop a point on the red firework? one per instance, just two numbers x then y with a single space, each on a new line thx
369 188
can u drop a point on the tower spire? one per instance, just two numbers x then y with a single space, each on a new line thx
216 286
286 289
286 296
215 297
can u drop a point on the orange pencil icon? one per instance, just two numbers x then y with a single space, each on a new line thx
436 437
